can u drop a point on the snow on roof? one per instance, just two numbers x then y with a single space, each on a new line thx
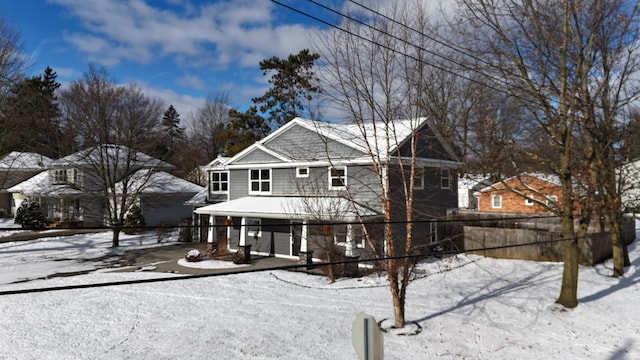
159 182
218 161
370 134
24 161
550 178
198 199
321 208
40 185
470 181
117 155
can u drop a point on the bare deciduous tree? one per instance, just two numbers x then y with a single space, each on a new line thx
569 67
206 128
377 79
112 122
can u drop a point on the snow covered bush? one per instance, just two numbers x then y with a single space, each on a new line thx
193 255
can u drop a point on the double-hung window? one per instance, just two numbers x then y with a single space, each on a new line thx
59 176
260 181
445 178
219 182
337 178
496 201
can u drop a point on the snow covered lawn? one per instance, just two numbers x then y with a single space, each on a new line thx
469 307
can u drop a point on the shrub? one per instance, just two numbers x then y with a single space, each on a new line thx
134 221
193 255
30 215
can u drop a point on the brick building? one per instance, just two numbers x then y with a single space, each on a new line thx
522 194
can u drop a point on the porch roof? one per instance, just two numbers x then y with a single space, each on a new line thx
289 207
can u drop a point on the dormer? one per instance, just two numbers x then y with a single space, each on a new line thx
64 176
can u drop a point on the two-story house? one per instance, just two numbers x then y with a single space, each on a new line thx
310 180
71 191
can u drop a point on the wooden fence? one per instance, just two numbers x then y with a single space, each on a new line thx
538 244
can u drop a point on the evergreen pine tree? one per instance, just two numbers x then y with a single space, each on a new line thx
173 131
30 116
134 221
293 83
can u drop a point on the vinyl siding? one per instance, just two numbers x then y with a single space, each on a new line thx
257 156
305 145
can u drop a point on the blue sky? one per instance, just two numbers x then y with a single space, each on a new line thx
176 50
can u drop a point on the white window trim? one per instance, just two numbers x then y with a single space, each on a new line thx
219 182
446 171
254 222
552 199
259 192
419 185
528 201
299 175
59 176
345 178
493 204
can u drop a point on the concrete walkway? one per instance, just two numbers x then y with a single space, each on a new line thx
165 259
156 259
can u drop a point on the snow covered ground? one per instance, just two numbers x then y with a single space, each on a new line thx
468 307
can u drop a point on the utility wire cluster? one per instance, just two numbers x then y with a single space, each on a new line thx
421 48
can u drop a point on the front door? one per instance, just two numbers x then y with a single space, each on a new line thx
296 237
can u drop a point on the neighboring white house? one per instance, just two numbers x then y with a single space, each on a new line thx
70 190
468 184
161 196
15 168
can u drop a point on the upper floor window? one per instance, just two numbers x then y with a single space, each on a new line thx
496 201
260 181
552 199
528 201
445 178
302 172
219 182
337 178
59 176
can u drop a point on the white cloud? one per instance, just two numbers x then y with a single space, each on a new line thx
192 81
216 34
186 105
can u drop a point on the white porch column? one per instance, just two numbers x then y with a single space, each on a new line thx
303 237
210 230
348 251
243 232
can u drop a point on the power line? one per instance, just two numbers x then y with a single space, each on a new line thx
422 61
400 52
275 268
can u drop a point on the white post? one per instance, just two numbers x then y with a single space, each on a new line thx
210 229
303 237
243 232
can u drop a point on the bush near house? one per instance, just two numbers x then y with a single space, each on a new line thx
30 215
134 221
